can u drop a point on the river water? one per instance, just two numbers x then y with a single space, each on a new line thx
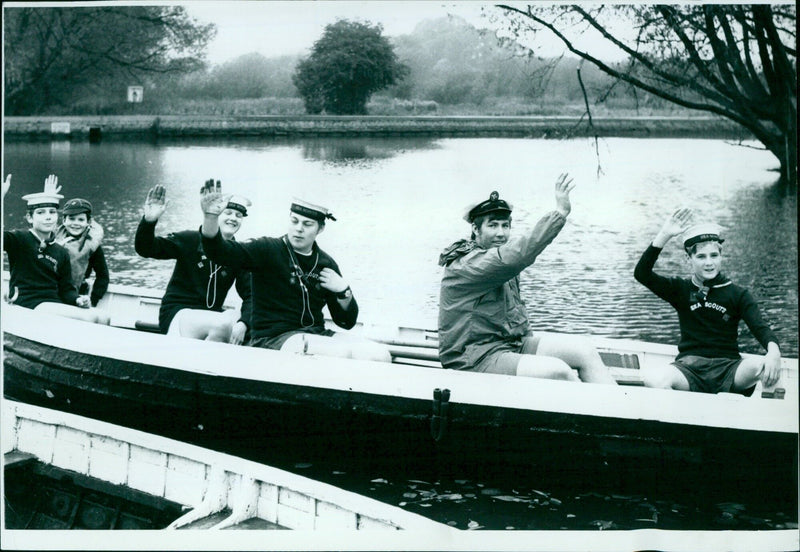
399 202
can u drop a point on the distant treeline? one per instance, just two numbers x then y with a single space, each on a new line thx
451 64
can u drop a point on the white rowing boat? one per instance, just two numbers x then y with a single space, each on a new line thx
119 475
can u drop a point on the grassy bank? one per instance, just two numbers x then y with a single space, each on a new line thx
225 125
504 106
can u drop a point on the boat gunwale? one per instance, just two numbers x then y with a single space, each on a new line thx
725 411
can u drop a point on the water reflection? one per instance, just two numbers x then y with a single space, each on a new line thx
399 201
345 151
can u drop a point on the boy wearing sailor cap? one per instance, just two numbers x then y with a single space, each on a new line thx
41 273
709 308
192 305
293 279
483 322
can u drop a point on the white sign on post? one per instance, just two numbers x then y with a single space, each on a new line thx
135 94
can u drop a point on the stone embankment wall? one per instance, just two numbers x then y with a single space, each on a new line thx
148 126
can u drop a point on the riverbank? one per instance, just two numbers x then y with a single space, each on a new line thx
96 128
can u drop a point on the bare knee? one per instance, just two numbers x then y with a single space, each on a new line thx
664 378
535 366
102 317
221 330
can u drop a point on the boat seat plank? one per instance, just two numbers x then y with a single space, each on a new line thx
621 360
17 459
255 524
145 326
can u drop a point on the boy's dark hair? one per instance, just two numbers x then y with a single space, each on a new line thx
692 249
29 211
479 220
88 216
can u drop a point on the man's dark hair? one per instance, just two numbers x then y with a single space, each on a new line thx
479 220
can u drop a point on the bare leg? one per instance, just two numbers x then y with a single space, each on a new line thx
664 377
202 324
748 373
316 345
95 316
364 349
545 367
578 353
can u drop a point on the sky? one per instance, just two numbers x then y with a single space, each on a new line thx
275 28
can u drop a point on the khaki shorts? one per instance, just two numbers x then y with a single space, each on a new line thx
505 361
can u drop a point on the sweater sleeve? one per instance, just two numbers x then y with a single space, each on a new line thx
66 289
244 286
147 244
9 240
97 262
496 265
248 256
751 315
343 317
665 288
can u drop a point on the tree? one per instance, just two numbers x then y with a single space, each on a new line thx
737 61
347 65
54 55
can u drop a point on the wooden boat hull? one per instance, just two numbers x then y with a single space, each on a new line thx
183 485
258 398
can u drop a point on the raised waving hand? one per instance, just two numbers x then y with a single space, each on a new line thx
564 186
155 204
212 202
51 185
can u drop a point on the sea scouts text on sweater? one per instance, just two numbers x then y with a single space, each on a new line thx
49 258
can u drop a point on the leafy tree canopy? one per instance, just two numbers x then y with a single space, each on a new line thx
347 65
54 55
738 61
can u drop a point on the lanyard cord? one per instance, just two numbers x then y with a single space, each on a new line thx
212 276
304 293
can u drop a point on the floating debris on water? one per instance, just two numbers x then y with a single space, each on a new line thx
378 480
303 465
507 498
474 525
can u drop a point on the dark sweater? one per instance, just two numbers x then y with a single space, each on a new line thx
97 264
196 282
709 327
278 298
38 276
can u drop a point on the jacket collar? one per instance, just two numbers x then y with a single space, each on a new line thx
455 251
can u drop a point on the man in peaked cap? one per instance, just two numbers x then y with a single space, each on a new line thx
709 308
41 274
192 305
293 279
483 322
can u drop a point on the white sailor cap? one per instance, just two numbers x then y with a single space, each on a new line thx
703 232
42 199
239 203
310 210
